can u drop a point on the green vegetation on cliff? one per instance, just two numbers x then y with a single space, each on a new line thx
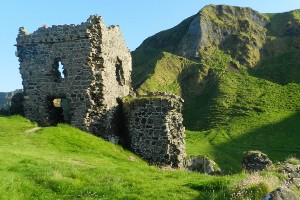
242 91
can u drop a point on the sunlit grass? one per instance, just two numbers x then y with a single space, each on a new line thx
65 163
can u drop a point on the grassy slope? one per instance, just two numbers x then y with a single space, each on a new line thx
234 110
275 133
145 56
281 63
228 109
65 163
165 76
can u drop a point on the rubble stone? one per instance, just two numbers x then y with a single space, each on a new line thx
255 161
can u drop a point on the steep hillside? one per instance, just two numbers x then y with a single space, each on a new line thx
239 74
240 32
193 59
281 53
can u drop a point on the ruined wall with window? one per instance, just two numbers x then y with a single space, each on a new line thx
74 74
78 74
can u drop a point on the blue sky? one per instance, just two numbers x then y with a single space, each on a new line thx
138 20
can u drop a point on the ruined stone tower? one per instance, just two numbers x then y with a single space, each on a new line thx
155 128
74 74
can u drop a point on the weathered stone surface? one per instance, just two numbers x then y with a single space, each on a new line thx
223 26
96 71
281 194
155 129
291 173
16 107
255 161
290 168
5 98
201 164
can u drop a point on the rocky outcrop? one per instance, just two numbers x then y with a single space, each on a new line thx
255 161
238 31
6 99
281 194
291 172
201 164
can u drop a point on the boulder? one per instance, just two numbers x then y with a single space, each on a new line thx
281 194
292 174
254 161
291 168
201 164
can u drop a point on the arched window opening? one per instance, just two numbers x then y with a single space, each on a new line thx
119 72
59 71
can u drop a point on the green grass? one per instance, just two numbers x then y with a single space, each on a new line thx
244 93
283 68
230 111
274 133
165 75
65 163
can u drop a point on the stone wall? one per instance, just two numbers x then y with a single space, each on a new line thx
96 71
155 130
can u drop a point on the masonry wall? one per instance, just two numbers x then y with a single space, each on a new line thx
155 129
97 70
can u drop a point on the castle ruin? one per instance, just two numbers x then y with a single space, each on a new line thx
74 74
80 74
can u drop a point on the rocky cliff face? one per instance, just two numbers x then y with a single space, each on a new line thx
222 26
238 31
5 98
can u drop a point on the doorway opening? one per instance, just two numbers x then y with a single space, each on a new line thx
59 110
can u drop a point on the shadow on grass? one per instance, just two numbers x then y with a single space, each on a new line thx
279 141
216 189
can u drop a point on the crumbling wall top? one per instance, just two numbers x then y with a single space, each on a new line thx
57 33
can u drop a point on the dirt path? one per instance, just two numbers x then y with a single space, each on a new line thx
33 130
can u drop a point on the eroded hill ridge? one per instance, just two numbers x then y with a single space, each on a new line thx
216 57
243 33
